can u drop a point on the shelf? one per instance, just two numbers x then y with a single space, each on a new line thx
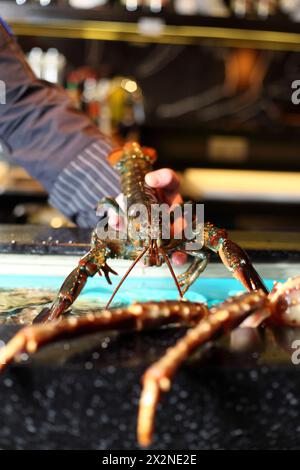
43 240
115 24
241 185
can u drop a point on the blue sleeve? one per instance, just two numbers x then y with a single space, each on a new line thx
5 27
42 132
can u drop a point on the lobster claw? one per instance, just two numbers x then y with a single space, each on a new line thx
237 261
107 270
60 306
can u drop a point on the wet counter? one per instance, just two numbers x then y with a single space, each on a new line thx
240 392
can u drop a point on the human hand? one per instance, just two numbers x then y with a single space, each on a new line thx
166 182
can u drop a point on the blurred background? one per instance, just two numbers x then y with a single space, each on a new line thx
212 85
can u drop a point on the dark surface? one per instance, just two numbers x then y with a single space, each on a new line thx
219 399
34 239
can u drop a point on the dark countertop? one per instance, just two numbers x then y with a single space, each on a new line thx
35 239
86 397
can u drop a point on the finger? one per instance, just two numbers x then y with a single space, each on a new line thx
178 226
164 178
179 258
173 199
170 198
121 201
114 220
166 181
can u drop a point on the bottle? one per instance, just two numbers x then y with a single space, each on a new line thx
35 60
131 5
87 4
90 99
186 7
53 66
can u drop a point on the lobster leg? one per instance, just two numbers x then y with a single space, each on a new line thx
198 265
136 317
69 291
157 378
234 257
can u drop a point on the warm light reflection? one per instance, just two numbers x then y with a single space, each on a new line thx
246 185
129 85
56 222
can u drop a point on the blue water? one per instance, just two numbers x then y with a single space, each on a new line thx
208 290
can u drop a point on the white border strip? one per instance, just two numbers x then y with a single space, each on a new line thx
53 265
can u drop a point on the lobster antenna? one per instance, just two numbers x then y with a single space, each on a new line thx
125 275
171 271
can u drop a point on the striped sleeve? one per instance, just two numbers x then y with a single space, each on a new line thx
57 145
85 180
